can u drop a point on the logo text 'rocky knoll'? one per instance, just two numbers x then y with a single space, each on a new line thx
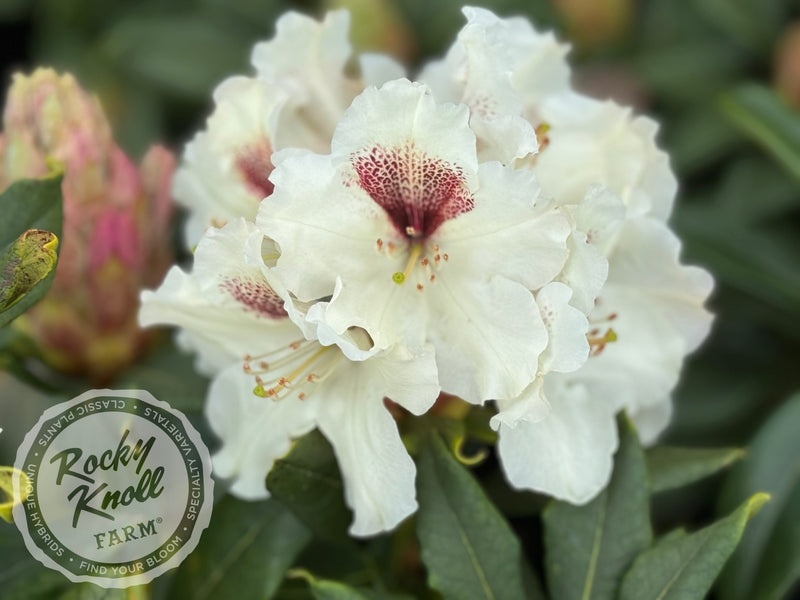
148 485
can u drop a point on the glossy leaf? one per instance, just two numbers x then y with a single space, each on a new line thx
467 547
761 115
307 482
588 548
25 264
29 231
91 591
243 554
22 577
684 567
671 467
162 49
768 560
325 589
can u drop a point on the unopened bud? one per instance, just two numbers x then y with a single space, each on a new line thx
116 223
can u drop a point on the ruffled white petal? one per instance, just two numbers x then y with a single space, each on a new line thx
505 229
658 318
594 142
401 112
225 168
225 307
377 470
254 431
567 348
488 336
306 60
595 222
568 454
531 405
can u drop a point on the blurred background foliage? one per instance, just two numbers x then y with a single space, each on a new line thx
722 77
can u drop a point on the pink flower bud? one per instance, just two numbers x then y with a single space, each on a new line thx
115 239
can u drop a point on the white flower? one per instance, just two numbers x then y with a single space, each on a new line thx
277 379
224 171
430 246
299 93
559 435
490 62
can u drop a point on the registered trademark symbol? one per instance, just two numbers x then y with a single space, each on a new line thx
159 520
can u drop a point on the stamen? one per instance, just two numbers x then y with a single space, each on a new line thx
301 373
277 358
598 343
541 136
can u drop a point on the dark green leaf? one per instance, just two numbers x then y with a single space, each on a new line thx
27 260
700 137
741 257
307 481
683 567
244 553
755 189
751 23
91 591
22 577
672 467
761 115
588 548
166 51
324 589
466 545
768 560
689 71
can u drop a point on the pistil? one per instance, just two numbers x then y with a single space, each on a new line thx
416 251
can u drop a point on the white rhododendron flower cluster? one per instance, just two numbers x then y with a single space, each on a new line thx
484 231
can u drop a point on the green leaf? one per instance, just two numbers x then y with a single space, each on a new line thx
672 467
165 50
307 481
761 115
755 189
741 257
325 589
768 561
333 590
91 591
467 547
22 577
243 554
588 548
27 268
683 567
31 224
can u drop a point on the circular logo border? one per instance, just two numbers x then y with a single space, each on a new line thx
168 553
